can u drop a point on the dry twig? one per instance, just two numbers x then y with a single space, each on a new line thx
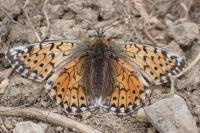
46 116
8 14
46 17
29 20
2 126
189 66
149 36
173 78
132 24
185 9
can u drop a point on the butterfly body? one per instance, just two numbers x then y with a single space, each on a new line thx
98 73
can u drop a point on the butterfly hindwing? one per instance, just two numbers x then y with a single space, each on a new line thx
66 87
36 61
128 93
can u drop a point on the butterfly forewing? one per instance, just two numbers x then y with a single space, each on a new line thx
156 64
36 61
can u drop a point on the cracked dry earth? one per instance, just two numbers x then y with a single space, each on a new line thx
160 24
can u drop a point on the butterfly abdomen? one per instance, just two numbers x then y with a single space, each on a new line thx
98 76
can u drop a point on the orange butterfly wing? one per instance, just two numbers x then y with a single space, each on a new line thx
155 64
52 60
66 87
142 63
37 61
128 92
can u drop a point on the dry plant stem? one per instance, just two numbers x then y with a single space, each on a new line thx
132 24
150 37
186 10
46 116
173 78
2 126
172 89
29 20
7 14
46 17
189 66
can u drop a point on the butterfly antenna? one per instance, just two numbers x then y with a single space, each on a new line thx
98 32
101 32
107 28
112 25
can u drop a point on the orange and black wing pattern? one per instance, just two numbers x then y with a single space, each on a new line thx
52 60
154 63
66 87
37 61
128 93
63 64
135 67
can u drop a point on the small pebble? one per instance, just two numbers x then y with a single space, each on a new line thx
141 116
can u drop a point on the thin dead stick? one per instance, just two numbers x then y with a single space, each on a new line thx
46 116
3 126
8 14
46 17
29 20
149 36
185 9
132 24
173 78
189 66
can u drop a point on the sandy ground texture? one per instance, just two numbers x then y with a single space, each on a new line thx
172 24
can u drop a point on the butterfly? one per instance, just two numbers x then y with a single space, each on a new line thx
96 73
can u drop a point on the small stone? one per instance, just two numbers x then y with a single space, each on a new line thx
171 115
88 13
5 63
183 33
158 91
43 125
151 130
59 129
141 116
175 48
172 7
28 127
58 27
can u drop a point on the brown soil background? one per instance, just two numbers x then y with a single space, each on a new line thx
140 20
